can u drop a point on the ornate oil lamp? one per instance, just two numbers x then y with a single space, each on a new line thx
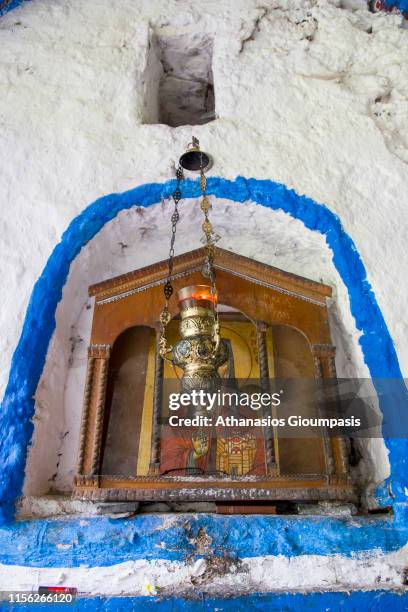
200 351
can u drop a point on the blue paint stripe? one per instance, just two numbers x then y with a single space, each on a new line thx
104 542
375 601
9 5
401 5
29 357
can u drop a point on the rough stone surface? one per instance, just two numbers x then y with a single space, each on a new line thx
72 105
60 505
308 94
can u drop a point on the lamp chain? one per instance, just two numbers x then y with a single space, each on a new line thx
210 238
165 316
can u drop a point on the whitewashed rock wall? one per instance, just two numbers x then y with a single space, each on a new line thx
304 573
306 93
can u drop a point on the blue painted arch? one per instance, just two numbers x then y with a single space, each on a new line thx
29 357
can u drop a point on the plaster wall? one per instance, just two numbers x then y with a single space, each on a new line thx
275 573
306 93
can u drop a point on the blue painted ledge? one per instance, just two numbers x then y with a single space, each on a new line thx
103 541
374 601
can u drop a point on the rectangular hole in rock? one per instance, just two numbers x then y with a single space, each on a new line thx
179 83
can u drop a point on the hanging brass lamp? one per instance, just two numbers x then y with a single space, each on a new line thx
200 351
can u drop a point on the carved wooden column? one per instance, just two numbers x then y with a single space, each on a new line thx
157 409
85 414
261 330
89 456
328 453
336 453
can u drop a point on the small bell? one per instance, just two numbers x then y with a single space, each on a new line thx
194 159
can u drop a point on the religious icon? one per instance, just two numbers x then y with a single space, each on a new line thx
217 450
212 450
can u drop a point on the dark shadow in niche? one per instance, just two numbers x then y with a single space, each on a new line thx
179 80
124 401
293 360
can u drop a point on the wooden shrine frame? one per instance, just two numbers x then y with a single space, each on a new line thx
263 293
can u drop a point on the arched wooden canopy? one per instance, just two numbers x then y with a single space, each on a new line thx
260 291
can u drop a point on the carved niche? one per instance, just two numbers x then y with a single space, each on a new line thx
276 325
